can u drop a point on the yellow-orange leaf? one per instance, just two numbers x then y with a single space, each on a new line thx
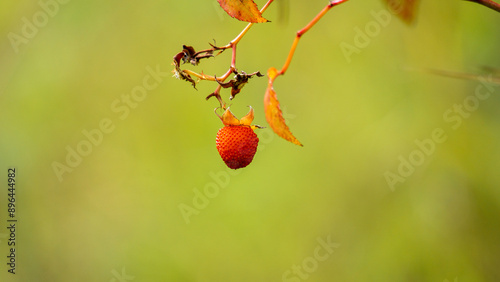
243 10
274 115
404 9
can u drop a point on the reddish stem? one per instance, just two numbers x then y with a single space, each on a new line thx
233 59
304 30
487 3
235 41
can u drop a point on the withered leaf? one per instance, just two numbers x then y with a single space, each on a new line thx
179 73
274 115
243 10
193 57
237 84
182 75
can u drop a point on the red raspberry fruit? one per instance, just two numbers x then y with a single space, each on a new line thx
236 141
237 145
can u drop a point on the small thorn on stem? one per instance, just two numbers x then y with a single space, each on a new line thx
217 95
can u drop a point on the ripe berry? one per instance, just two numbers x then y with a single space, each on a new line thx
237 141
237 145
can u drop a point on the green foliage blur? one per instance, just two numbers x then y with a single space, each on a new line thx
119 187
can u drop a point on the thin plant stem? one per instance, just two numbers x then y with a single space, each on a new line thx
235 42
303 31
244 31
201 76
231 45
233 58
487 3
460 75
226 75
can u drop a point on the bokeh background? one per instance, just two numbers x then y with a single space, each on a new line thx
116 215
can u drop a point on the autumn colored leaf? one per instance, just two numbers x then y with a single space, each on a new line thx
273 112
243 10
406 10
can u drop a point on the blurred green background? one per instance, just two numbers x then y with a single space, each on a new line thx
116 215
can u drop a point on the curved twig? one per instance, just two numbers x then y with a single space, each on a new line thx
487 3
